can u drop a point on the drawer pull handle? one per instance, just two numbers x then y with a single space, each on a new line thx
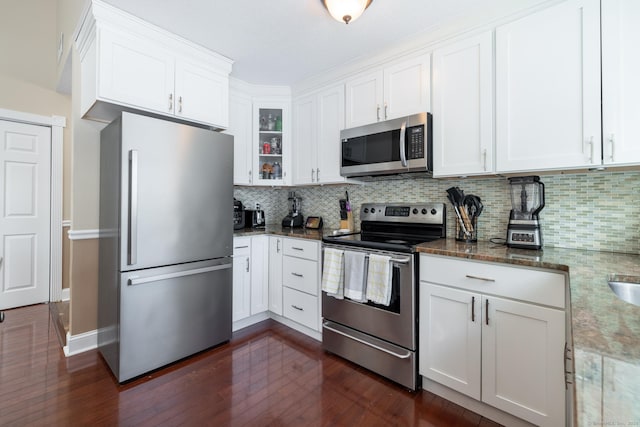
480 278
297 274
296 248
297 308
473 309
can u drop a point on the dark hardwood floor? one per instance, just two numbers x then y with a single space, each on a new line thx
268 375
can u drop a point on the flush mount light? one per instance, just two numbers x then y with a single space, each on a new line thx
346 10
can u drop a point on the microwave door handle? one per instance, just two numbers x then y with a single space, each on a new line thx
403 134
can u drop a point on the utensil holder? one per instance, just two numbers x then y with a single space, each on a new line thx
471 235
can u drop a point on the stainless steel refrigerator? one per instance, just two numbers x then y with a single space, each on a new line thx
166 236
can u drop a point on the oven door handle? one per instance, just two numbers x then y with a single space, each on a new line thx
394 354
392 260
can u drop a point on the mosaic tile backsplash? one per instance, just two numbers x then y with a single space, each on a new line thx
593 211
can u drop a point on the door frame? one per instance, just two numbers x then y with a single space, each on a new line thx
57 124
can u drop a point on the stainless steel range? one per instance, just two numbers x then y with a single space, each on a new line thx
383 338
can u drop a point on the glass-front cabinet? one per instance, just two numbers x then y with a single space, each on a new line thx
271 145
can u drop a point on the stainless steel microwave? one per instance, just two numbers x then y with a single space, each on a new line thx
389 147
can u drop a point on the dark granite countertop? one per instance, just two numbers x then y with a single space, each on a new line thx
606 330
277 230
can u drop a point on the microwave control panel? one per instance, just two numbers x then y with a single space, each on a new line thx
415 137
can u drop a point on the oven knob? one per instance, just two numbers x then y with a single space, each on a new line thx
424 211
415 211
366 210
373 210
433 211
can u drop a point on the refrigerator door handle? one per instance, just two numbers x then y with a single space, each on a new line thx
140 280
132 249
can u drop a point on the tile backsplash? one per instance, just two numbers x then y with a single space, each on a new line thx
593 211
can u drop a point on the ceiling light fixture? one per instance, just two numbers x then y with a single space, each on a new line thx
346 10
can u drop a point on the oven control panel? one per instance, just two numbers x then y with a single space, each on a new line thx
424 213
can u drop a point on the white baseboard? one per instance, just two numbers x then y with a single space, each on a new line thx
80 343
297 326
251 320
473 405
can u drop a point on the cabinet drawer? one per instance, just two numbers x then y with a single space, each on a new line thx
300 307
300 274
540 287
307 249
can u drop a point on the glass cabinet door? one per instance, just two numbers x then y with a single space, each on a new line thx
270 145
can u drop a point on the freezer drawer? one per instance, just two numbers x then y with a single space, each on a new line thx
172 312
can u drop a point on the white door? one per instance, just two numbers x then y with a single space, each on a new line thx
463 107
275 275
259 274
241 306
305 140
548 89
25 173
406 87
364 99
517 335
620 85
330 123
201 94
450 338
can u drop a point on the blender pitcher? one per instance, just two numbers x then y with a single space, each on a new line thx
527 200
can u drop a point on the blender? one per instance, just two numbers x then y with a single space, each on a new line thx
294 219
527 200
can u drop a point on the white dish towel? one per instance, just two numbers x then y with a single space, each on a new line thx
355 268
379 279
333 273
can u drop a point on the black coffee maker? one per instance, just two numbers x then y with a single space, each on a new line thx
294 219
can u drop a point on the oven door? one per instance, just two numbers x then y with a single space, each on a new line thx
395 323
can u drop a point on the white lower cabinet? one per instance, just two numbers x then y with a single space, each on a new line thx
250 277
496 334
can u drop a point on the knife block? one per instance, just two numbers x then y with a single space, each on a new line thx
347 224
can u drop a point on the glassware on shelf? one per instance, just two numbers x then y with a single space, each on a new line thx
263 122
279 124
275 145
277 170
271 122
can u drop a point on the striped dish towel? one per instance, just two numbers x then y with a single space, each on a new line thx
379 279
333 273
355 268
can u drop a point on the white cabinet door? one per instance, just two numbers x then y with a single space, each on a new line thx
259 274
364 99
202 94
463 107
305 140
275 275
406 87
523 360
450 338
548 89
135 72
620 83
263 109
240 110
330 113
241 307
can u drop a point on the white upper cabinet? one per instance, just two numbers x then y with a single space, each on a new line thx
400 89
463 107
318 119
129 64
620 83
240 112
271 141
548 89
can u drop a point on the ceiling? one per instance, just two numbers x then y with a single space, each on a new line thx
282 42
